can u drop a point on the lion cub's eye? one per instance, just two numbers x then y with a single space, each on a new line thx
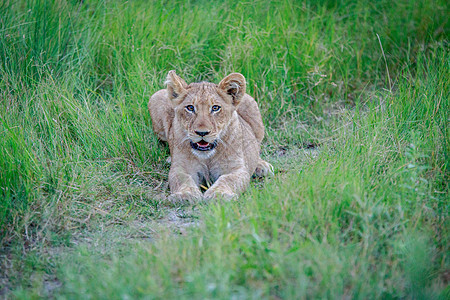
190 108
215 108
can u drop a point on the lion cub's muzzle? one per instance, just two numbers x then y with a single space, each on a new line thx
203 140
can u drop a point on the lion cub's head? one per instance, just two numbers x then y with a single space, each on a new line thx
204 109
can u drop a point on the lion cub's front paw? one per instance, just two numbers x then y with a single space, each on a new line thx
225 194
263 168
185 196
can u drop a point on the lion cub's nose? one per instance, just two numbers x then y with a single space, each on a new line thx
202 133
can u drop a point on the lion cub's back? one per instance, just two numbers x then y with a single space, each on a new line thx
249 111
161 112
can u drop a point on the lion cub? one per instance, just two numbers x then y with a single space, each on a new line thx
214 134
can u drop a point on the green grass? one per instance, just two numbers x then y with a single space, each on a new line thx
83 178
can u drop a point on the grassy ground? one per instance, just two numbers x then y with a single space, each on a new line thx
355 98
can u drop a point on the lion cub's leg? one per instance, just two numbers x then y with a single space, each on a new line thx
182 186
229 186
263 168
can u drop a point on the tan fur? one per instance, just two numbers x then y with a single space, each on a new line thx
237 130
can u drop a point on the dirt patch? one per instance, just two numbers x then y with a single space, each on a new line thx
180 219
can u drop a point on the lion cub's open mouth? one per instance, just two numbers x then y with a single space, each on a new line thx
203 145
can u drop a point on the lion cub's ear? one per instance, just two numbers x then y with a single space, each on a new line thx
234 85
175 85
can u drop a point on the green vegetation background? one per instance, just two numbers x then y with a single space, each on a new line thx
83 177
